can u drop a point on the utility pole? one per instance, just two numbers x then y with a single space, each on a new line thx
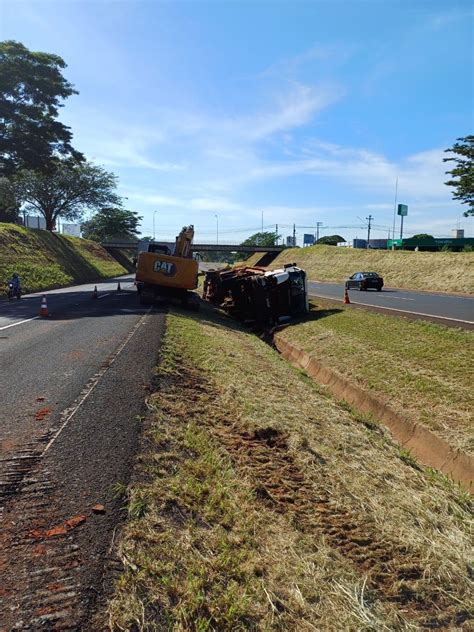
276 234
154 213
294 235
217 229
318 226
369 220
394 212
262 221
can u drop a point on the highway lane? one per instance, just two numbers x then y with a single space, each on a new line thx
72 389
434 306
27 308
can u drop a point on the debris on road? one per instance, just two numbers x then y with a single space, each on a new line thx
98 509
62 529
42 413
266 297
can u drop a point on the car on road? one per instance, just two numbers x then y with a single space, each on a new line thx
364 281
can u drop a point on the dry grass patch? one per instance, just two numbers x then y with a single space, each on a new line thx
264 505
421 370
441 271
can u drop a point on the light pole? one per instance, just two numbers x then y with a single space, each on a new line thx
217 229
394 213
369 226
154 213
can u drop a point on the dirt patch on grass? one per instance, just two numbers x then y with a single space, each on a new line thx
394 571
263 505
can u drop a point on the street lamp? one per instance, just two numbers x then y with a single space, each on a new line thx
154 213
217 229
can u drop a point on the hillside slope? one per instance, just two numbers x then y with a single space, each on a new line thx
441 271
46 260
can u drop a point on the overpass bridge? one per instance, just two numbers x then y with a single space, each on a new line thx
134 245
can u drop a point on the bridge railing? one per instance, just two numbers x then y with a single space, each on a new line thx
127 245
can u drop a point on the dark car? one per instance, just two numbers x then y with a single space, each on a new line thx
364 281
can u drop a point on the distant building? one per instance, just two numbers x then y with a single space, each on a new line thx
457 233
377 244
71 229
290 241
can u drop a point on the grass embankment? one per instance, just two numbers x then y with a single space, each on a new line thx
261 504
46 260
439 271
421 370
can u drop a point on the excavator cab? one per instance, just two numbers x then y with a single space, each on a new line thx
167 276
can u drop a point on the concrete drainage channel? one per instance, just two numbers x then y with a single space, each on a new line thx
430 449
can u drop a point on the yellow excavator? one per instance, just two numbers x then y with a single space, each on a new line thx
169 274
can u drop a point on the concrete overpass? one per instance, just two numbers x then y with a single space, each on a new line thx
131 245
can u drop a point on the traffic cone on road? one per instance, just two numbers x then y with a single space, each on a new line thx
94 293
44 313
118 287
346 297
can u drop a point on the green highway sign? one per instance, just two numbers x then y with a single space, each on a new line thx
402 209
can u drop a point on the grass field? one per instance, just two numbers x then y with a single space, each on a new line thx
422 370
261 504
45 260
439 271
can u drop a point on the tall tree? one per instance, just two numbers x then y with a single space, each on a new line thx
9 208
112 223
67 192
331 240
32 89
463 173
261 239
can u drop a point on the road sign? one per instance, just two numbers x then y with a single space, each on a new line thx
402 210
308 239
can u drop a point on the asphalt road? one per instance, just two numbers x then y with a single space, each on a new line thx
72 394
456 309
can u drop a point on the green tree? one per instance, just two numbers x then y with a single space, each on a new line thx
112 223
32 89
261 239
463 173
331 240
9 208
422 236
67 192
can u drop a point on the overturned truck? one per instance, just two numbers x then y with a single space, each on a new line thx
264 297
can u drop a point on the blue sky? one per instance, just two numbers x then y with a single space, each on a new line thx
300 111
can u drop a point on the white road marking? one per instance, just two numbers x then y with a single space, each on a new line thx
20 322
397 298
69 413
104 295
394 309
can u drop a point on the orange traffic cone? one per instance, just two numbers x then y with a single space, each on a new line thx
44 313
346 297
118 287
94 293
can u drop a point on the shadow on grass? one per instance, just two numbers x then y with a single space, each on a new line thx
68 257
